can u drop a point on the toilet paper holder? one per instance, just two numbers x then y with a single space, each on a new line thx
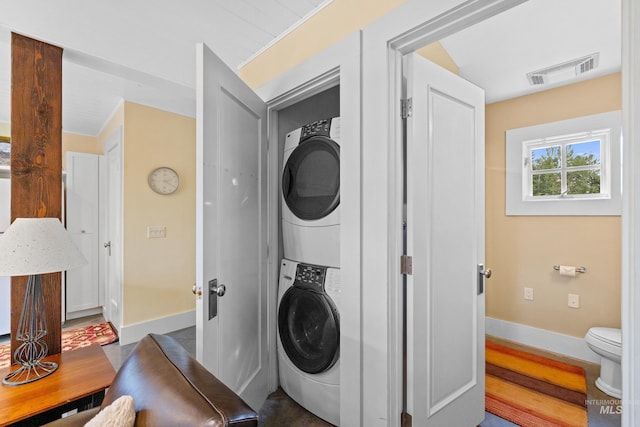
578 269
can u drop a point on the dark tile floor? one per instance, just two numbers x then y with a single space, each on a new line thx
279 410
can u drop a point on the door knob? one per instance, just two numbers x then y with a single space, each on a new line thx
108 246
483 273
219 290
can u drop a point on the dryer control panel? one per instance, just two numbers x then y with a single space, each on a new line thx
321 127
311 275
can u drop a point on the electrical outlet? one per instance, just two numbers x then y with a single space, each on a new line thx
573 301
528 294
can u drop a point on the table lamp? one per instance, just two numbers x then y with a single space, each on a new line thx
34 246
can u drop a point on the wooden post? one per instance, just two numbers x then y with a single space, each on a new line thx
36 161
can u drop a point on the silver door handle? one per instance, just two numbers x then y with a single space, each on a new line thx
108 246
483 273
219 290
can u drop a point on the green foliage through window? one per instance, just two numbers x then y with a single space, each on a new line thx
572 168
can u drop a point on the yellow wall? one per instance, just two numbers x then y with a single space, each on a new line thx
522 249
435 53
330 25
79 144
5 129
158 273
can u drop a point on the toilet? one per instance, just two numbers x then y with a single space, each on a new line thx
607 343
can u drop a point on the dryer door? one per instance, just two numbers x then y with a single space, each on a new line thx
311 178
309 329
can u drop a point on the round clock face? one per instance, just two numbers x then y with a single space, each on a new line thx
164 180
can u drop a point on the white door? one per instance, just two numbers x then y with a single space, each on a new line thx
82 284
445 236
113 233
231 224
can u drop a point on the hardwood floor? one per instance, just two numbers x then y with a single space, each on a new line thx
280 410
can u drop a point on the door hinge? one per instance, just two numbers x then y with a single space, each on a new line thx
406 106
406 420
406 264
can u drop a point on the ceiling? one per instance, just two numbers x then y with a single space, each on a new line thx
124 49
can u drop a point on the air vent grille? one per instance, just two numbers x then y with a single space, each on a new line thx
564 71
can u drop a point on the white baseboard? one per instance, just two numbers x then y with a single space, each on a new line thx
541 338
84 313
133 333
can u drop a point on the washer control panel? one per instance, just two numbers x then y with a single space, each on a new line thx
311 276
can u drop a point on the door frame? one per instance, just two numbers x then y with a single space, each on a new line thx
385 41
630 212
337 65
403 30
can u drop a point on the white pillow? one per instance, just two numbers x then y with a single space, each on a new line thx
120 413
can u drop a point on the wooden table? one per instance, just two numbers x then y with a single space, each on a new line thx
82 374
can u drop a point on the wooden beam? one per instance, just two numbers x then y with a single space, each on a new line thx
36 161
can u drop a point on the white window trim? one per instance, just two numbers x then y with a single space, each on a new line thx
517 200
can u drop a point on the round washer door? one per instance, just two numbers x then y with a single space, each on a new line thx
311 178
309 329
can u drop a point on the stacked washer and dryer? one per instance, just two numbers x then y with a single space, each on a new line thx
309 287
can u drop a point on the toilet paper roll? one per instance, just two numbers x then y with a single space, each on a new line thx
567 270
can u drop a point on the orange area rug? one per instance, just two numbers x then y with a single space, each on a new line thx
534 391
101 334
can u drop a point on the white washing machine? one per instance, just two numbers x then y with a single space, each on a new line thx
311 193
309 337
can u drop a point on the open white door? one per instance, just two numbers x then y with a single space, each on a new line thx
445 237
113 230
231 229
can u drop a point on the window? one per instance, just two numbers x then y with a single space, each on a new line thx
570 167
567 166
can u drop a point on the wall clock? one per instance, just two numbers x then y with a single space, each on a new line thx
164 180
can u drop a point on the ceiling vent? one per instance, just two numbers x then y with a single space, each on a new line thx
564 71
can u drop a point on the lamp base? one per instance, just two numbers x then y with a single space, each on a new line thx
32 328
30 372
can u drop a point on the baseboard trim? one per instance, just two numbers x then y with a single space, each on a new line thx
133 333
83 313
541 338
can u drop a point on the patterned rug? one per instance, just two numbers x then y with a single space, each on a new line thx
534 391
101 334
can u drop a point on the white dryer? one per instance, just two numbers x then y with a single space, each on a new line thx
309 337
311 193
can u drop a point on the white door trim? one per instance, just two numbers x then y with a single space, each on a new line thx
630 213
338 64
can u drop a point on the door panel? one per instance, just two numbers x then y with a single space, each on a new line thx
83 284
231 223
445 236
113 234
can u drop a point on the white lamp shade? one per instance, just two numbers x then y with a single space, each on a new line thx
36 246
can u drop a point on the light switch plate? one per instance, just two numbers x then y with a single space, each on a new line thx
156 232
